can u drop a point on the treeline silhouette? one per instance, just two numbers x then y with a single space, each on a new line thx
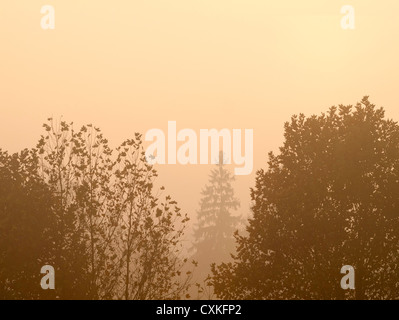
329 198
94 216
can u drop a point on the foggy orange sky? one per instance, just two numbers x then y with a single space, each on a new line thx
129 66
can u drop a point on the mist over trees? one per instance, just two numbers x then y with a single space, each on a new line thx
216 224
330 198
93 215
216 219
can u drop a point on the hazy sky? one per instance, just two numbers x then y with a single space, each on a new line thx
129 66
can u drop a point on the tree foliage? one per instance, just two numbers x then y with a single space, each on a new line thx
107 231
214 231
27 227
328 199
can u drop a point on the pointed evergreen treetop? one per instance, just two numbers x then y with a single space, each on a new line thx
216 223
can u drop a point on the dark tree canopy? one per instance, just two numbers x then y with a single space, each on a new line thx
26 220
93 214
330 198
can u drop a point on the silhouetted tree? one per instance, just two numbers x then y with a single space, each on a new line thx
149 237
214 231
27 227
129 242
95 217
65 166
329 199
